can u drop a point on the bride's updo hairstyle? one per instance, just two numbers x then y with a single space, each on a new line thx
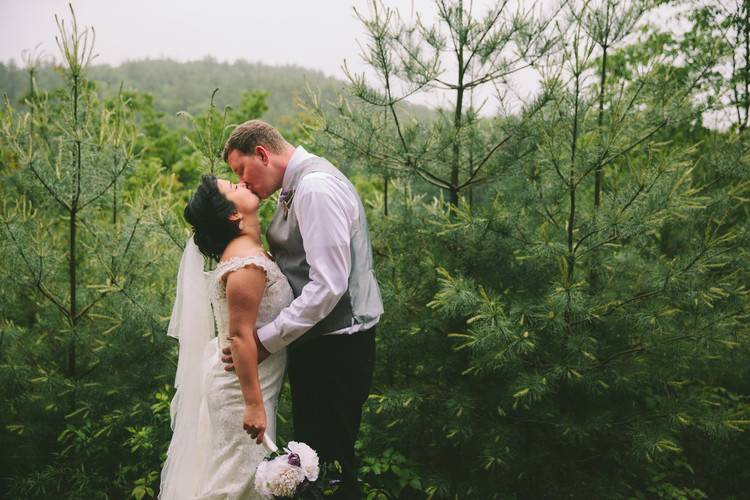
208 212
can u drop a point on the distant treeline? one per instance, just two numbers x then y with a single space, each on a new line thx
178 86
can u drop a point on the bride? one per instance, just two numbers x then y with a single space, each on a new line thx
219 418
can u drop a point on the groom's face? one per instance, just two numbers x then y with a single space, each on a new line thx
255 171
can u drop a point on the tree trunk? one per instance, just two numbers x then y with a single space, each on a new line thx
572 213
73 293
385 195
600 121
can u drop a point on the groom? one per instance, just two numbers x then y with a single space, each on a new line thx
319 238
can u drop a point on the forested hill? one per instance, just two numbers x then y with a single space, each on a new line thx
178 86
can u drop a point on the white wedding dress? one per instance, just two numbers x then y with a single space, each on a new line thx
225 455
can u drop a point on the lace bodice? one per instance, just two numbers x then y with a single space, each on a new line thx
277 295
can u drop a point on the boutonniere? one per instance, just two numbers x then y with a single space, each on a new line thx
286 200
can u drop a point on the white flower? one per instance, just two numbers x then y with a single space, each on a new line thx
277 477
262 477
308 459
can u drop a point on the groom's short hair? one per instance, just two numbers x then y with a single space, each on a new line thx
254 133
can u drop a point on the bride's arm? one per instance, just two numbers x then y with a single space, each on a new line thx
244 292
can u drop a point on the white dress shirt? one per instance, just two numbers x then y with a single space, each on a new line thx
326 211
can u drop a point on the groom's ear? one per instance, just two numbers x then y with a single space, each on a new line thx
262 153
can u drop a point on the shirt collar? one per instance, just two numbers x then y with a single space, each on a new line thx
299 155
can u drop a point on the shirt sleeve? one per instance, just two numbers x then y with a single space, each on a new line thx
323 207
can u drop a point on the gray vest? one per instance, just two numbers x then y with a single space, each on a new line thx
361 303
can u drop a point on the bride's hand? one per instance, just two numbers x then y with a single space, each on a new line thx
254 421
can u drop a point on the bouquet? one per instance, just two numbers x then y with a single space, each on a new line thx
293 472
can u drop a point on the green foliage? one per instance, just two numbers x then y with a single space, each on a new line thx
252 105
89 275
575 325
392 473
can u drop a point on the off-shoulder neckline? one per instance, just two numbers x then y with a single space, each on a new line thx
243 257
260 261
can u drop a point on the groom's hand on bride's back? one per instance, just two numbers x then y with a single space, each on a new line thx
227 353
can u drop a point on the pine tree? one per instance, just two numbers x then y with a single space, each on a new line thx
80 252
462 56
580 330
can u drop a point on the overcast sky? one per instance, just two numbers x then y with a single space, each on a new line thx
318 34
315 34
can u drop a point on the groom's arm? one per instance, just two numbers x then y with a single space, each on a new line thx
227 353
325 210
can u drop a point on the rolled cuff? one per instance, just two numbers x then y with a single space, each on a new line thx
270 336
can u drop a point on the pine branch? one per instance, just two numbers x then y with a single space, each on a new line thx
88 307
484 34
650 293
40 286
426 175
48 188
163 226
36 274
642 348
84 204
130 238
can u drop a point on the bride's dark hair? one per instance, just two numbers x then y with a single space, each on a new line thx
208 212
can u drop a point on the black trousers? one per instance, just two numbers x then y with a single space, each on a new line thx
330 379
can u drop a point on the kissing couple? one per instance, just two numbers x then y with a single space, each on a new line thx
307 307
